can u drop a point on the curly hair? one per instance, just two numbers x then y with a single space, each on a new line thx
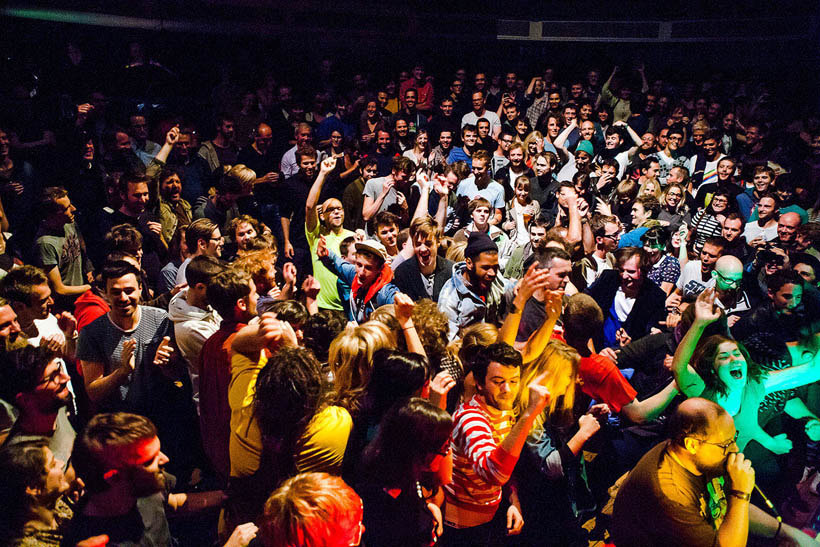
350 358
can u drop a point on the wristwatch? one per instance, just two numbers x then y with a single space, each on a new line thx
740 495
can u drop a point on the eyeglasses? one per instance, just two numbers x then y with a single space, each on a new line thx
613 237
724 446
52 378
728 280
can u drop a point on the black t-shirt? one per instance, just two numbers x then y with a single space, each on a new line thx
145 525
262 164
532 317
292 199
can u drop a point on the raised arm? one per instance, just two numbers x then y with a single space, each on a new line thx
806 369
538 340
561 139
311 215
688 380
371 206
533 280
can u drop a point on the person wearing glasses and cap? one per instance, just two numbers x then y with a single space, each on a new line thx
698 486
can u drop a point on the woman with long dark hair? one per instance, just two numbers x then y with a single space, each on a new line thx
407 463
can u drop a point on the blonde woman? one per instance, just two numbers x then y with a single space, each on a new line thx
350 357
650 187
549 463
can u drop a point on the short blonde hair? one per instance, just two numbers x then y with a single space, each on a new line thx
311 510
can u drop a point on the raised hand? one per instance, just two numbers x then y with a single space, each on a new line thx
242 535
440 186
440 385
404 308
623 337
289 273
706 311
589 425
311 287
535 278
321 247
274 333
164 351
172 136
424 182
327 165
539 394
401 200
67 324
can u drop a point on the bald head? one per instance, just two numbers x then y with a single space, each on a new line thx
263 139
728 272
695 417
787 226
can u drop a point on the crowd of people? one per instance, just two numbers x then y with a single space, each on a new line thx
475 309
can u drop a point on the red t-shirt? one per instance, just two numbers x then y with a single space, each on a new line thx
604 382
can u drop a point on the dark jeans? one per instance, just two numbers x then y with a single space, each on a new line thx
491 534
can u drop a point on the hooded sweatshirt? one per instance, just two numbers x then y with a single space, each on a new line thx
192 327
363 300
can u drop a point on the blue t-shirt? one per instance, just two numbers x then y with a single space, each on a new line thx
494 192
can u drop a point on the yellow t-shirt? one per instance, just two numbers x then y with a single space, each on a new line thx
328 294
321 447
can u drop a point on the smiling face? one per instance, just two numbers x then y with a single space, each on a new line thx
631 275
482 269
245 233
387 234
787 298
123 294
170 188
426 249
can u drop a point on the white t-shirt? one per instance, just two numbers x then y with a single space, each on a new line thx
623 305
753 230
691 281
492 117
46 328
709 171
591 276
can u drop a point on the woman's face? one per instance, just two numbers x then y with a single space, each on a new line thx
521 127
371 109
673 197
675 240
603 116
522 193
719 203
532 147
730 365
56 483
649 189
553 128
421 140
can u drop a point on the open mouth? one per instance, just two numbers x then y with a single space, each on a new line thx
736 372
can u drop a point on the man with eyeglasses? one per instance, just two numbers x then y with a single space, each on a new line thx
607 232
669 156
729 293
697 487
37 383
501 155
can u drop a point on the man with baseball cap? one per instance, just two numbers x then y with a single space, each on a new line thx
475 291
369 276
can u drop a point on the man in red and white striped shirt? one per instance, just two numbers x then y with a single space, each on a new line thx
486 442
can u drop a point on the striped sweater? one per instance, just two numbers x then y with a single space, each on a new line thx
480 465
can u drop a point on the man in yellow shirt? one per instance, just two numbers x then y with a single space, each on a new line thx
332 217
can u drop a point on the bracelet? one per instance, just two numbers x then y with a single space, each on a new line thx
740 495
408 328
